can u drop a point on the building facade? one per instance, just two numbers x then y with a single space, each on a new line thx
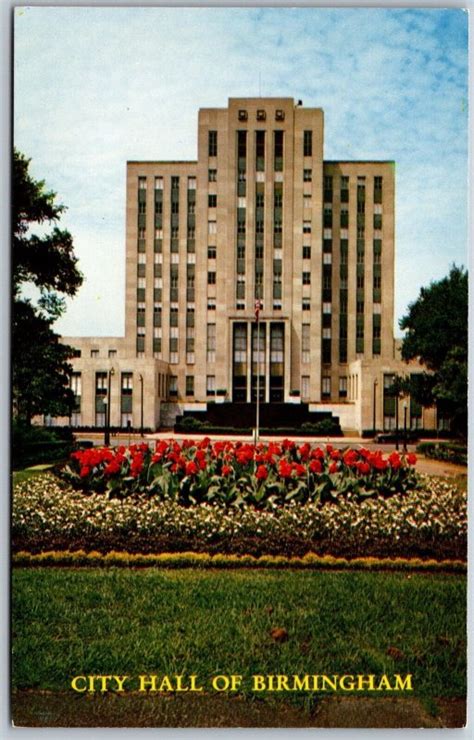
260 219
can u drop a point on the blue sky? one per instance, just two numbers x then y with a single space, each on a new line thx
94 87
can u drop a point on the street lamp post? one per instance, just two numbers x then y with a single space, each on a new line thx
405 408
107 408
140 378
374 424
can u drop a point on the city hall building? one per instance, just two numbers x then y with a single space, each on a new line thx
259 224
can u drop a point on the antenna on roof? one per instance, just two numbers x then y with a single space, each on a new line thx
259 84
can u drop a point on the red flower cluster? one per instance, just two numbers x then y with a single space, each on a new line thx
241 470
287 460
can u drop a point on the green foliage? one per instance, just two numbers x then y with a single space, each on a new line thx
40 368
321 428
445 451
46 261
437 334
34 445
429 522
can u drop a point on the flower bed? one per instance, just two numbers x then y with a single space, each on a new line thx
429 522
241 474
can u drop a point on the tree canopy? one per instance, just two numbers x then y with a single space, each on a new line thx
40 368
437 335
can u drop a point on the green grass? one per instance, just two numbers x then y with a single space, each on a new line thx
37 471
71 622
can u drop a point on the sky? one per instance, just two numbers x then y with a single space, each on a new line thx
95 87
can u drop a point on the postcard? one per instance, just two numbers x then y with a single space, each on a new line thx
239 367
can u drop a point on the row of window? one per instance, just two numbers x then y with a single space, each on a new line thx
328 181
260 142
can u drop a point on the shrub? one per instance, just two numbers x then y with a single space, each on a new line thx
323 427
445 451
32 445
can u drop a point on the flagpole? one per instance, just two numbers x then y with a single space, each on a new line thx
258 306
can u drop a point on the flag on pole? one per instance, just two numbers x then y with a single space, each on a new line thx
258 308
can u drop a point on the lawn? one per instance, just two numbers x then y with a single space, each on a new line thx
70 622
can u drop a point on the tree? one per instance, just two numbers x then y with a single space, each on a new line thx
40 368
437 334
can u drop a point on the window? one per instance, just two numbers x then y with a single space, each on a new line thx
212 200
343 386
327 308
190 385
344 217
308 144
212 175
326 386
306 278
278 150
142 183
212 227
261 115
306 201
306 304
76 384
173 316
211 278
211 343
157 312
173 385
212 144
94 352
279 114
211 253
260 151
277 290
377 282
211 304
140 318
306 227
377 189
327 217
307 175
377 220
305 343
306 253
210 385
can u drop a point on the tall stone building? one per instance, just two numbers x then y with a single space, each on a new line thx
260 219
